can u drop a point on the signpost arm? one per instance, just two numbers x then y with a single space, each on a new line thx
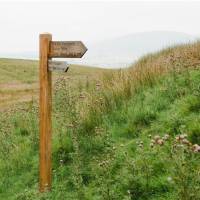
45 114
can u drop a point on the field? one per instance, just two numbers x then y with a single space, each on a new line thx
117 134
19 79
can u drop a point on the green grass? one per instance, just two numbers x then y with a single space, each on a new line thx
101 141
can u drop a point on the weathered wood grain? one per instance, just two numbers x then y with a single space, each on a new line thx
61 66
45 114
67 49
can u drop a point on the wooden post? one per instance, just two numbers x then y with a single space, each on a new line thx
51 49
45 114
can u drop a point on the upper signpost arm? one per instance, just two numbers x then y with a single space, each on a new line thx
67 49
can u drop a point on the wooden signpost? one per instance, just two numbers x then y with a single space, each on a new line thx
51 49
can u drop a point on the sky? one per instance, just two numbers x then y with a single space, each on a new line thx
21 22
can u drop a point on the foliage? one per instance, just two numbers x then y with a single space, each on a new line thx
132 134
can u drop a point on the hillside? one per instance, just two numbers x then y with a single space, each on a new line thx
19 79
129 135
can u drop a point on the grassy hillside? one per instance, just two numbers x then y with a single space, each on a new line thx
19 79
128 135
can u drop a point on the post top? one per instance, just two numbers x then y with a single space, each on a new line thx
45 34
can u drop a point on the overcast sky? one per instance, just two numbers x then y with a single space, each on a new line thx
21 23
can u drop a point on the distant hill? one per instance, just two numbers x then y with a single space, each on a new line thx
122 51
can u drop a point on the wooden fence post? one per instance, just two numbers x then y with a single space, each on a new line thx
45 114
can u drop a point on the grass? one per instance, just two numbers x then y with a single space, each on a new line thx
26 71
128 135
19 79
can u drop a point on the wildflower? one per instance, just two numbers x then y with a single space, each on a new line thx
177 138
100 164
160 142
61 161
196 148
185 135
98 86
166 137
156 137
153 141
140 145
189 144
103 163
151 145
82 96
182 137
185 141
70 125
169 179
180 145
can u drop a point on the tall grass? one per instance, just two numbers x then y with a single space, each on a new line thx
118 86
103 132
